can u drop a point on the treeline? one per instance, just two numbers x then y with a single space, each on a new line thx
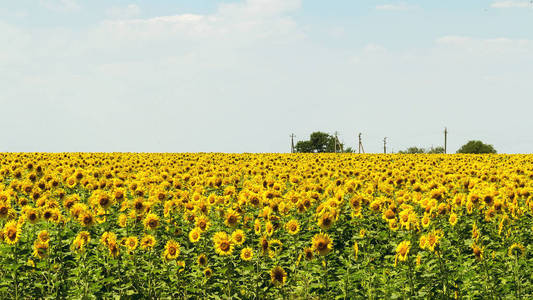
321 142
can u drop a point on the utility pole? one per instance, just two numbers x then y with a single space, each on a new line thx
361 145
292 142
385 145
336 140
445 139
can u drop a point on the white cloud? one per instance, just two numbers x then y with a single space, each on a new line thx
374 48
501 45
396 7
453 39
336 32
250 20
130 11
260 7
60 5
512 4
354 60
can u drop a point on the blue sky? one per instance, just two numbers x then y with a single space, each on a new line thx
241 75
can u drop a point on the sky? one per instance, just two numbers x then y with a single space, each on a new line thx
242 75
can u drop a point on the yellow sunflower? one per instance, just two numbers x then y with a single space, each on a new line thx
453 219
202 222
12 232
238 237
195 234
257 227
278 276
292 227
202 260
131 243
208 272
401 251
247 254
326 220
172 250
148 241
517 250
86 219
322 243
40 249
151 221
108 238
232 218
113 248
477 251
32 215
309 253
122 220
426 221
43 236
223 243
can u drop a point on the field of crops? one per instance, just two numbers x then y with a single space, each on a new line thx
249 226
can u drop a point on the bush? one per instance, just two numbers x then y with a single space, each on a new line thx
476 147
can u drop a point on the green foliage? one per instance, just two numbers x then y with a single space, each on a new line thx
417 150
319 142
304 147
349 150
436 150
413 150
476 147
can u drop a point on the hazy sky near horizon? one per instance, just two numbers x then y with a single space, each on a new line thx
242 75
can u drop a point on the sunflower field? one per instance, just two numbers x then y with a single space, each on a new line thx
265 226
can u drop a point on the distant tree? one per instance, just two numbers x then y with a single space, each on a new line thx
319 142
349 150
417 150
476 147
436 150
413 150
304 147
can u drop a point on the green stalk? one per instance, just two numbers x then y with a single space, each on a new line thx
488 279
410 275
326 276
85 280
517 281
16 272
256 277
442 276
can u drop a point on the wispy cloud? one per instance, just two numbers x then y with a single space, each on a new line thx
251 19
60 5
127 12
512 4
503 45
396 7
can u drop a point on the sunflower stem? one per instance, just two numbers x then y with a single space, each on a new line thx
517 281
16 272
257 278
442 276
410 275
488 279
326 276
